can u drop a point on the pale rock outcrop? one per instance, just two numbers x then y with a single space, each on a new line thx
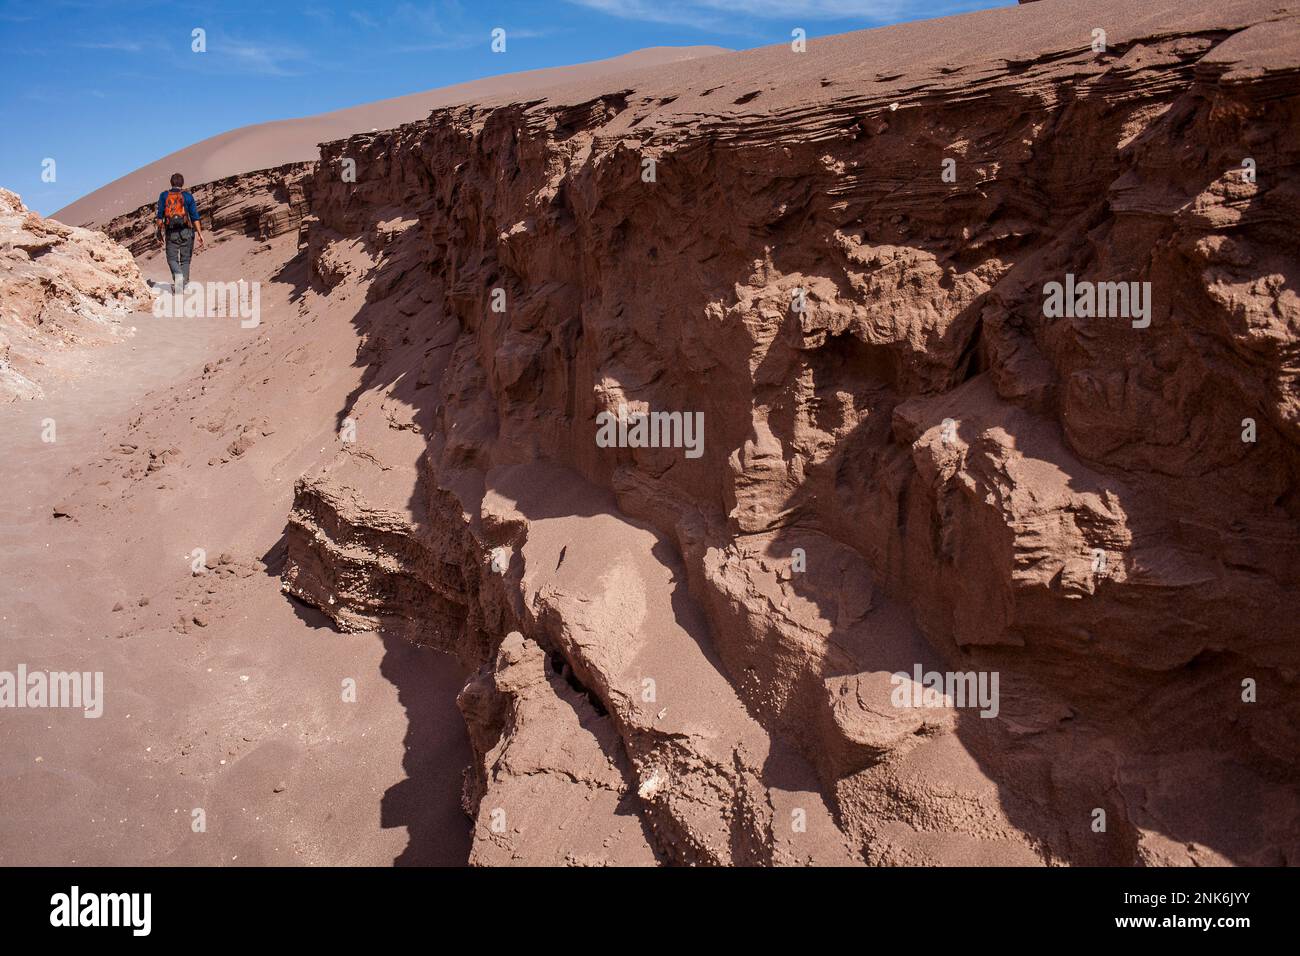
59 285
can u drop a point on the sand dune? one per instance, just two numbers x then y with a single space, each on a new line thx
295 140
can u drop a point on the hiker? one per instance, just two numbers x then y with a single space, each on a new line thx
177 226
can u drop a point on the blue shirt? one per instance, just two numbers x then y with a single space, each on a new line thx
191 209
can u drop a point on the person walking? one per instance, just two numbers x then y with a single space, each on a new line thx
178 225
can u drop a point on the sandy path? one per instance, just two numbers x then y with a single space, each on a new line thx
218 717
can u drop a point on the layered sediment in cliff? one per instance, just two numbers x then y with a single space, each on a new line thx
261 204
910 460
59 286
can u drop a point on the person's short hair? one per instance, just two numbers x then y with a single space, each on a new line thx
178 180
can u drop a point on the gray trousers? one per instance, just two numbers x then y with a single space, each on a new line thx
180 249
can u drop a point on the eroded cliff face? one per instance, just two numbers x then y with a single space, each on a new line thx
262 204
906 462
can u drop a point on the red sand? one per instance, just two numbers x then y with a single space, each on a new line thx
951 459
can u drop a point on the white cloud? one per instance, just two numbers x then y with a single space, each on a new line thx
257 58
121 46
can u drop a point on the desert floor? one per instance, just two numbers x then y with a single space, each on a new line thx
221 694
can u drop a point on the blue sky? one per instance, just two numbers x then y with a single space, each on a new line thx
104 87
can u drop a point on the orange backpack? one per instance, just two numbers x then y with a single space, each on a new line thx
174 213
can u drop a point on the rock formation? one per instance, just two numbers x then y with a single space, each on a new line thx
991 328
59 285
907 463
1101 511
